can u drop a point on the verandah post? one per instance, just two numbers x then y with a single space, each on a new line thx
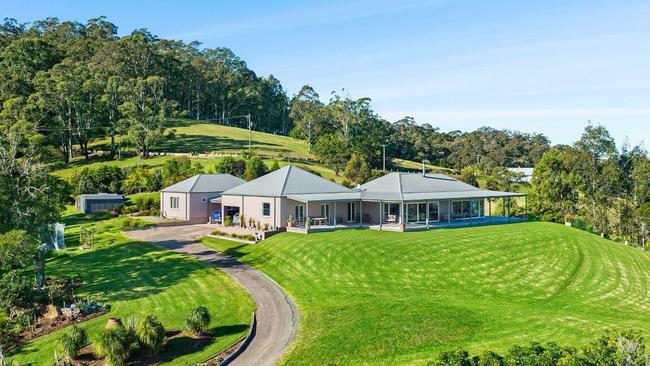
381 216
335 213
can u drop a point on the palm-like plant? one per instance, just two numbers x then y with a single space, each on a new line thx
151 334
72 342
113 345
197 320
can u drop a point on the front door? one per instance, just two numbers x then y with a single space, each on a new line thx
300 214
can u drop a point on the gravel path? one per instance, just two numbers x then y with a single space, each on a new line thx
277 315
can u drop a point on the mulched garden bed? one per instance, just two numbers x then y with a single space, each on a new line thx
45 327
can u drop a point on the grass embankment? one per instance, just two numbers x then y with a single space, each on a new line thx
376 298
137 279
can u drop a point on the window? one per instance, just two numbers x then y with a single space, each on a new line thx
266 209
433 211
391 213
173 202
352 212
412 212
300 214
422 212
325 211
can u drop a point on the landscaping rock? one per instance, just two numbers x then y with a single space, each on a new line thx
52 312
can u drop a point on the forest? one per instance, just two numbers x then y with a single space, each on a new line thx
64 84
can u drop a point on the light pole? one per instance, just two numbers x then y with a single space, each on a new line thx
248 117
383 146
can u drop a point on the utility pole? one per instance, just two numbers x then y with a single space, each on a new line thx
248 116
384 153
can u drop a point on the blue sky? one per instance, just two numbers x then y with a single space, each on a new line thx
536 66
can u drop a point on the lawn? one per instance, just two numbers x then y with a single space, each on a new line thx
374 298
205 137
137 279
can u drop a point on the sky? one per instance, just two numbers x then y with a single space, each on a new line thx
534 66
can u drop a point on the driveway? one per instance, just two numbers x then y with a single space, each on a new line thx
277 315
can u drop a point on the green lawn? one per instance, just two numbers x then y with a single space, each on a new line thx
207 137
375 298
137 279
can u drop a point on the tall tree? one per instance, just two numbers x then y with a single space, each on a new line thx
308 116
144 111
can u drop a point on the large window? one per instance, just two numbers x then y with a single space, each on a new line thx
434 214
467 209
391 213
174 202
412 212
300 214
266 209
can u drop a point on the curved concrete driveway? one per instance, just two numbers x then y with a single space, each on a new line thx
277 317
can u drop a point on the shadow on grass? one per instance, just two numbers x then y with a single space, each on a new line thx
125 271
202 144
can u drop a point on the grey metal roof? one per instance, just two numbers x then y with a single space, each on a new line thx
101 196
407 187
289 180
205 183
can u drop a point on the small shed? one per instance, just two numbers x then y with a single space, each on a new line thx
91 203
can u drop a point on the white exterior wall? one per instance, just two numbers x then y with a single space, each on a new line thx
252 208
181 212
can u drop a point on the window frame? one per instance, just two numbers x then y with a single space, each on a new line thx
266 206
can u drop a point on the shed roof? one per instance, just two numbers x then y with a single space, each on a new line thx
288 180
205 183
101 196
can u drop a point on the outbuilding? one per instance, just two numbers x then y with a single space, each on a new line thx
91 203
196 199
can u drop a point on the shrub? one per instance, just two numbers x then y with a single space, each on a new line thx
231 165
72 342
129 223
197 320
151 334
227 221
113 344
457 357
16 291
255 168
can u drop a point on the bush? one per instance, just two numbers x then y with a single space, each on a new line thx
197 320
105 179
151 334
227 221
71 343
129 223
16 291
231 165
255 168
113 345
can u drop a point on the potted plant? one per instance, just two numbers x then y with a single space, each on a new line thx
242 221
290 221
568 219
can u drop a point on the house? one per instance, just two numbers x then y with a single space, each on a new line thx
266 199
396 201
91 203
524 174
196 199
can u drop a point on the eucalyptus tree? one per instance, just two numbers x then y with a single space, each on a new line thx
144 110
308 115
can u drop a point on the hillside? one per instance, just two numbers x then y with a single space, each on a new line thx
369 297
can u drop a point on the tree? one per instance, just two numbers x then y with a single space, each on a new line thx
179 168
556 185
307 113
140 179
469 175
333 151
231 165
357 170
17 249
144 111
255 168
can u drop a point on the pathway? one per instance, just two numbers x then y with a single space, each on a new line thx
277 315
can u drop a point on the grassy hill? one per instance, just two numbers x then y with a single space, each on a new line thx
137 279
202 137
375 298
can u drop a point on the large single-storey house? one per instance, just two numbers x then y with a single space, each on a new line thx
190 200
301 201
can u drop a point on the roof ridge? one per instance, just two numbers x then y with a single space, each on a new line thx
399 186
195 182
286 178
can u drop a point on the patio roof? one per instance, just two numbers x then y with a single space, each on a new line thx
388 196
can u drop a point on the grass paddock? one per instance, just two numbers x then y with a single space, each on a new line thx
372 298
